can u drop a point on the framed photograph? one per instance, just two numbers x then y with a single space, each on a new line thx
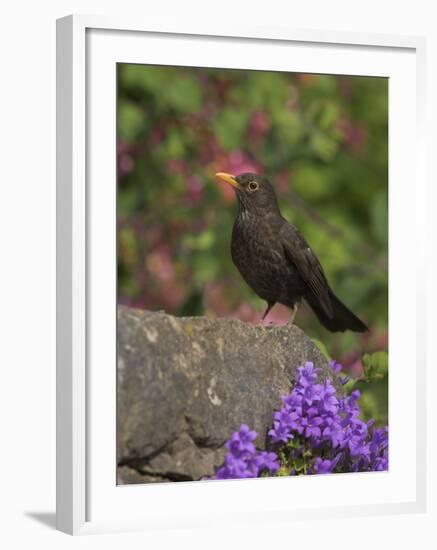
241 311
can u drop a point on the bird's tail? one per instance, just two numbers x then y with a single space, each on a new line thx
342 318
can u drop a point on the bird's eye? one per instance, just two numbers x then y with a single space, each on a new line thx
253 186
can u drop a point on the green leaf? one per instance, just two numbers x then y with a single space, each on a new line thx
283 471
205 268
138 76
130 120
323 146
173 146
379 214
375 366
293 443
349 386
288 127
310 181
205 240
230 126
299 464
183 95
322 348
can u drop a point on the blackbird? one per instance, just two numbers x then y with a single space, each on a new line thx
276 261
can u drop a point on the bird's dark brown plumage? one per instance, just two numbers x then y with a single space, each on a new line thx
276 261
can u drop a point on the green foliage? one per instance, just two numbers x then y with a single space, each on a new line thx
230 128
375 366
323 349
373 386
374 401
321 139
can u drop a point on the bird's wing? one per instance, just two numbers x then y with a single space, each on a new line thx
308 266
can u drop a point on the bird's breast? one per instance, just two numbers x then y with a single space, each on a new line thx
257 253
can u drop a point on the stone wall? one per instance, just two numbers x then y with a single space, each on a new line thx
185 384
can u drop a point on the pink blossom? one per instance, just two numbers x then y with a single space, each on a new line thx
259 124
195 190
355 135
159 263
282 181
245 312
156 135
236 162
125 163
215 298
239 162
176 166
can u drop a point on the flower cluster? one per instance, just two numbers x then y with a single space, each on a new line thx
315 431
243 460
330 425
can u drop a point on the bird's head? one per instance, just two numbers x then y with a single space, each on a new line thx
254 192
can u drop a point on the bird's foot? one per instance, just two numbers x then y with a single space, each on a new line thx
266 312
293 315
267 324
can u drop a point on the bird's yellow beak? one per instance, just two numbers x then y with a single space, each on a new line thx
228 178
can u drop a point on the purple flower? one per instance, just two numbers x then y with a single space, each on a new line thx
325 466
266 461
241 441
329 401
378 448
280 432
311 393
380 463
293 400
307 374
337 367
379 441
327 430
243 460
333 432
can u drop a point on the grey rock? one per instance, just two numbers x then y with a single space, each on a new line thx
185 384
127 475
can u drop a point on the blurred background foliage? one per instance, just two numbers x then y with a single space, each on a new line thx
323 142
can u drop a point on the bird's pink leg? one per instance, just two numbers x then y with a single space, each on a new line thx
269 307
293 314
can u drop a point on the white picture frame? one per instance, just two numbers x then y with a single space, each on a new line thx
87 49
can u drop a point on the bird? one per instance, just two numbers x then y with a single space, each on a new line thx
276 261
